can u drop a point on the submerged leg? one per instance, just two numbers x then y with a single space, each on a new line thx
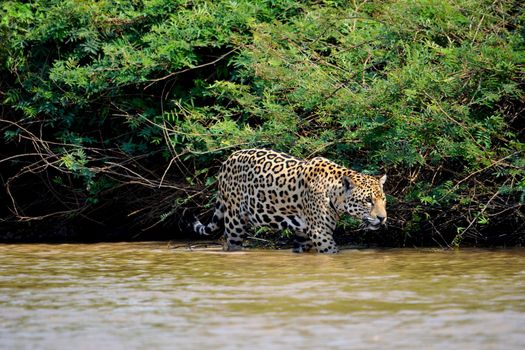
324 243
234 233
302 242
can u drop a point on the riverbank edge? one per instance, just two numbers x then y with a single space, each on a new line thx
45 232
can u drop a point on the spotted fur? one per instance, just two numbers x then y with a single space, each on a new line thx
260 187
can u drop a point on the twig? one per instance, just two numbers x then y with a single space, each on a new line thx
153 81
477 29
479 171
461 234
115 165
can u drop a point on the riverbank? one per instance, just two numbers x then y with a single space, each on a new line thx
385 238
116 119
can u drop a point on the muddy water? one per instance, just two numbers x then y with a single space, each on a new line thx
147 295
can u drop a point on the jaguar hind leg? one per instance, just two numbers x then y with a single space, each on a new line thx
234 233
302 242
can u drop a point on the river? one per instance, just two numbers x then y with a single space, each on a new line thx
148 295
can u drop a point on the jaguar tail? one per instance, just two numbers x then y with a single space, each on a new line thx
216 223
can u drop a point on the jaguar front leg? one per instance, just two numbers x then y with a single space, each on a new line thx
323 241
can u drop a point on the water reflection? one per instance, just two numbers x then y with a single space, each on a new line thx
147 295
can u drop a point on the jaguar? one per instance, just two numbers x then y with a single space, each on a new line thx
265 188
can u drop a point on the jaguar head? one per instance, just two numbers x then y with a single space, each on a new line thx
364 199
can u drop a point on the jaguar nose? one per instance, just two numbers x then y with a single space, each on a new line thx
381 219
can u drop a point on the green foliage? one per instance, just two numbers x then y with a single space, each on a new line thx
430 92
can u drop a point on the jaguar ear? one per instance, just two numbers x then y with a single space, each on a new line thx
382 180
348 184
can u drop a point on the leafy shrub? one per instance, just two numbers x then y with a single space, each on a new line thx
157 93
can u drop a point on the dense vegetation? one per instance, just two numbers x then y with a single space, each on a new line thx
117 114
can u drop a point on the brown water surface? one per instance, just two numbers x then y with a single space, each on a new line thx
146 295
